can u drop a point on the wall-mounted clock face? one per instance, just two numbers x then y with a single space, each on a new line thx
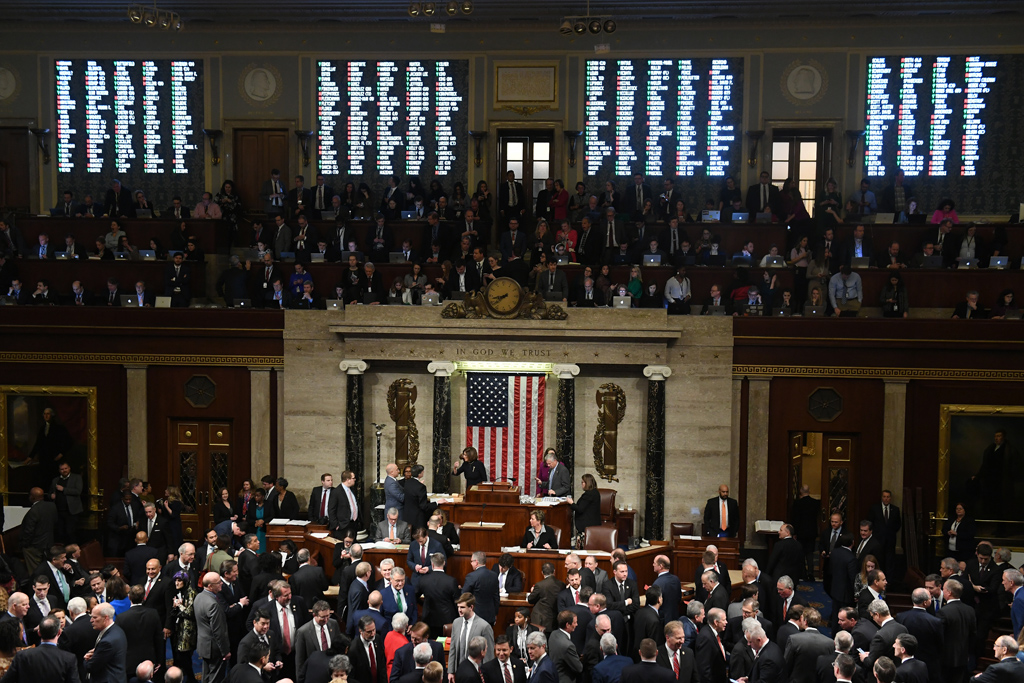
200 391
825 404
503 297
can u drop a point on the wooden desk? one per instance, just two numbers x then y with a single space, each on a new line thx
687 554
516 517
484 536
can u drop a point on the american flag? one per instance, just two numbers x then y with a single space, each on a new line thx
505 424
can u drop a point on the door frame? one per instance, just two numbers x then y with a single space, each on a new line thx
839 170
227 149
203 442
558 161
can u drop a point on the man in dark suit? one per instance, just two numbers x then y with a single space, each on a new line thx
317 633
105 661
650 669
65 489
623 594
1007 667
544 598
359 590
787 558
543 667
309 582
143 630
843 571
634 196
235 602
598 604
439 592
911 670
417 507
711 662
571 594
927 629
118 202
121 526
46 662
770 663
60 580
763 197
135 559
805 512
826 543
366 654
716 593
788 598
671 588
285 605
178 281
405 658
346 515
709 561
260 635
888 630
398 596
504 667
985 579
887 522
875 590
510 579
714 525
793 624
320 501
483 584
513 242
960 629
562 650
78 636
647 622
300 198
511 199
869 543
252 668
804 648
37 528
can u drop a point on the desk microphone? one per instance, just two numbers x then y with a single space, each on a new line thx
482 511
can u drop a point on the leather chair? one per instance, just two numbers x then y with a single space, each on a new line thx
608 508
447 630
601 538
92 556
558 534
681 529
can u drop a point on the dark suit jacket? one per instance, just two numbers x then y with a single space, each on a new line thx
960 626
250 639
916 671
787 559
786 630
483 584
843 565
313 509
712 512
848 252
513 580
78 638
881 644
671 595
544 598
928 630
754 202
144 632
439 592
135 563
467 672
54 594
1009 670
646 624
37 526
518 209
617 601
872 547
243 673
802 652
361 663
711 664
108 657
300 613
310 583
734 630
417 507
719 598
770 665
403 663
556 292
650 672
492 671
864 600
43 663
886 530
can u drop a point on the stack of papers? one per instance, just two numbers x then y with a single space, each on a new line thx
767 525
288 522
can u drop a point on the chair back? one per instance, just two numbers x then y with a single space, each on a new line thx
608 508
601 538
558 534
681 529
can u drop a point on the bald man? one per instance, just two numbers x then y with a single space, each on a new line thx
37 528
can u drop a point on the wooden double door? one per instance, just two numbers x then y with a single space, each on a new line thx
201 461
256 152
826 463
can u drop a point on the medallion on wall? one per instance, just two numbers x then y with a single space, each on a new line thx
804 82
10 84
260 86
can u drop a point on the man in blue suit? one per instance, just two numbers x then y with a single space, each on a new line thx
542 667
483 584
46 662
398 597
927 629
105 662
405 663
359 589
420 550
382 623
609 670
394 493
671 589
1012 582
1008 668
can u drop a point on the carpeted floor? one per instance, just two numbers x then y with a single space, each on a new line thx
814 594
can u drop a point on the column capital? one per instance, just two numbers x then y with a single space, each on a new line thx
657 373
353 366
889 380
441 368
565 370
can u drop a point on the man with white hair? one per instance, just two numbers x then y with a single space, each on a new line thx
804 648
17 607
542 668
769 661
609 670
392 529
717 597
1012 581
77 636
399 597
823 668
767 591
1007 666
928 630
105 661
711 661
144 672
469 670
884 639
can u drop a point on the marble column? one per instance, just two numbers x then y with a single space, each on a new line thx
758 395
654 508
279 379
565 420
137 420
355 456
442 443
259 411
894 427
737 419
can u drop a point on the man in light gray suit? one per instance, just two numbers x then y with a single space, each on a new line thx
212 642
282 236
392 527
466 627
562 651
553 285
559 479
311 636
66 493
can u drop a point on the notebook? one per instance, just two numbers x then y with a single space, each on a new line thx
431 299
765 217
885 218
396 257
784 311
129 300
933 261
328 215
716 310
968 264
148 254
814 311
243 303
409 215
316 258
143 213
61 255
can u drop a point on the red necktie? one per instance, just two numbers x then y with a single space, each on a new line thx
508 673
373 663
576 596
718 637
286 633
785 608
323 503
675 663
423 553
323 638
149 587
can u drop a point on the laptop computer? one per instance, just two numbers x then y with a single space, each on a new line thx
709 215
652 259
369 298
690 259
328 215
148 254
933 261
740 217
860 262
431 299
814 311
346 254
968 264
129 300
61 255
120 255
396 257
143 213
58 213
287 255
335 304
783 311
716 310
172 252
775 262
562 259
740 260
622 302
765 217
243 303
317 257
163 302
999 262
409 215
1015 314
885 218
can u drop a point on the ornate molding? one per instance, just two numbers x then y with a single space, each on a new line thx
657 373
963 374
527 110
441 368
402 410
137 359
611 410
565 370
352 366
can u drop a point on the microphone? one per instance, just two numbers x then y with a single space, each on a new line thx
482 511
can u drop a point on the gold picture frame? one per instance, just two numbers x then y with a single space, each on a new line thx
987 415
91 496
